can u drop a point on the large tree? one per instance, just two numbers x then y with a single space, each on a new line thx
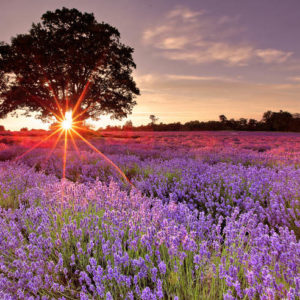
68 55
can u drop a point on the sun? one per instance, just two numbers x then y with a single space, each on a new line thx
67 123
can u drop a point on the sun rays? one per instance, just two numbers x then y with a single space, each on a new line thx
69 125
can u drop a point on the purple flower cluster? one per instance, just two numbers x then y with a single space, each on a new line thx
193 228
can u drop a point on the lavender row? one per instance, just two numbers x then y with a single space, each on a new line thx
215 187
206 220
69 240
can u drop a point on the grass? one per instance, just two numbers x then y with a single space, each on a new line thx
186 282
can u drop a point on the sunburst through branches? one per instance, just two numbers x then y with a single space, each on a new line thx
68 126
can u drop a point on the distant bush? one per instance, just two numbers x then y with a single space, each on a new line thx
36 132
6 141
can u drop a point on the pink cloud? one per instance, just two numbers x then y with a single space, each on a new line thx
196 37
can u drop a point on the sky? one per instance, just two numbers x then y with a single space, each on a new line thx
195 59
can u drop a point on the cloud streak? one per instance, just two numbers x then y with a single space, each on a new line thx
222 91
197 37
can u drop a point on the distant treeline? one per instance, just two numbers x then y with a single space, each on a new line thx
271 121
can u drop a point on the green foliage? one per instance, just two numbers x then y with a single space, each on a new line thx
181 277
9 198
136 171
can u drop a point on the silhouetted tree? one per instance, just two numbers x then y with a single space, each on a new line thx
223 118
128 125
267 116
153 119
277 121
113 128
192 125
252 124
67 54
295 124
242 123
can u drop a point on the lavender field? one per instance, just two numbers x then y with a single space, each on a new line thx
208 216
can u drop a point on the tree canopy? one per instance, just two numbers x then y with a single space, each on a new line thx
66 57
